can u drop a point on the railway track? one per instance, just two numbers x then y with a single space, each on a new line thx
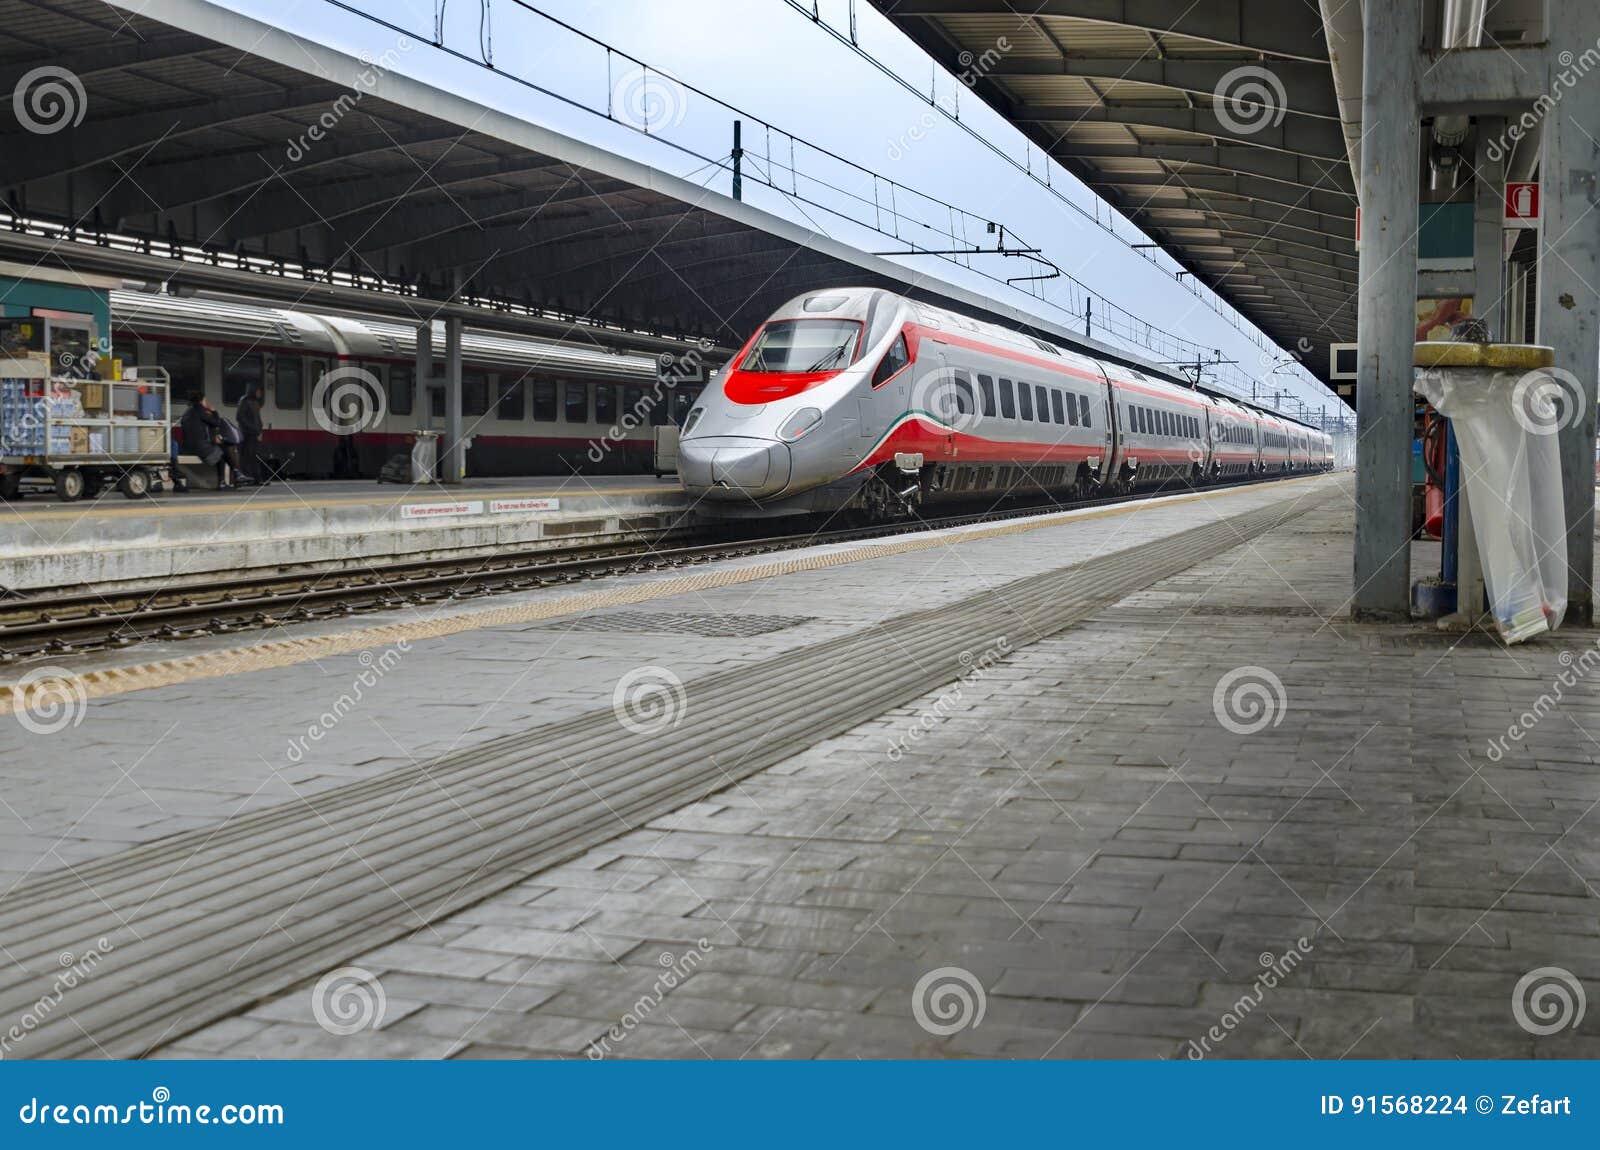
82 622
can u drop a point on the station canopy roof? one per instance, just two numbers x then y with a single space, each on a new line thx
198 131
1252 193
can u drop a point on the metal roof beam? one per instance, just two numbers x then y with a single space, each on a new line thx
1270 26
1306 89
30 157
1253 163
1319 139
1214 189
89 63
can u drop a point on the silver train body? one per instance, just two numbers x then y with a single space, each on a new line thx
530 406
858 398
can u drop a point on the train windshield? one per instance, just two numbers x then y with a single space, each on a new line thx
803 345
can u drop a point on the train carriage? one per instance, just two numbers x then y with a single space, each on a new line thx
530 406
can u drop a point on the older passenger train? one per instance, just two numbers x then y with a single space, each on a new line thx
530 406
860 399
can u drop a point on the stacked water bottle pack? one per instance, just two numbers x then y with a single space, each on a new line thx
22 417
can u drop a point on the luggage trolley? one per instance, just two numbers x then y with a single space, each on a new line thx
82 435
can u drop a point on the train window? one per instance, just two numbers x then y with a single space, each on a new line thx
682 402
289 383
801 345
986 390
605 403
575 404
508 402
1024 400
1072 408
1008 402
1042 401
893 360
660 403
966 403
474 393
1138 419
187 368
633 404
544 400
402 388
240 372
1057 409
1083 411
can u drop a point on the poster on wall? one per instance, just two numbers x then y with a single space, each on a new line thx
1436 317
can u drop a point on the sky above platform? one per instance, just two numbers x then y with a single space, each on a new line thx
787 77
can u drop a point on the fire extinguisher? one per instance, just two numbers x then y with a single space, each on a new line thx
1434 428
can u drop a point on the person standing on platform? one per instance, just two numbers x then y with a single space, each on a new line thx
248 417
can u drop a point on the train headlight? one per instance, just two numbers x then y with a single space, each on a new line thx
694 418
799 423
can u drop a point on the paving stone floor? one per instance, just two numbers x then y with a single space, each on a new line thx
130 768
1215 820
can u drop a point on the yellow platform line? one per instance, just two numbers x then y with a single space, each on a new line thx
288 652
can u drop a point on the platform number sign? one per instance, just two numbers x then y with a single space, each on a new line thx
1521 206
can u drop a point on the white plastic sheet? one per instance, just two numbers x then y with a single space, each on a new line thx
1505 424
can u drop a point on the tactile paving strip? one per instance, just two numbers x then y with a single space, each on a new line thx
208 922
705 626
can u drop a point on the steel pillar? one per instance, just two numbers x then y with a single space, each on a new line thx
454 457
1386 309
1568 315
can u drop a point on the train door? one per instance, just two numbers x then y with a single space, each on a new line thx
952 401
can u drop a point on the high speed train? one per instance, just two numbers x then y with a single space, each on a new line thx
861 399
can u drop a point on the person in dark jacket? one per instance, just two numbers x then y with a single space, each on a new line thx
203 436
248 417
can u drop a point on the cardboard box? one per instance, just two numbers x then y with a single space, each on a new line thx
93 395
78 440
108 368
152 440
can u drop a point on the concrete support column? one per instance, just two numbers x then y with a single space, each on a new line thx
454 467
423 371
1568 315
1386 306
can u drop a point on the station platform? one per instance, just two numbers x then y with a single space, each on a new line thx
1119 782
112 543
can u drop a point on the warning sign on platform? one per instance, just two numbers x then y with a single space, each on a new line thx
441 510
512 506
